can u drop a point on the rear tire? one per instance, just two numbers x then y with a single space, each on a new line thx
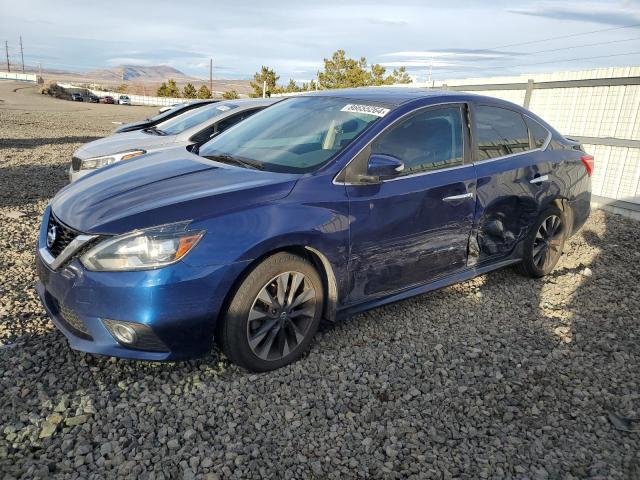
273 315
544 244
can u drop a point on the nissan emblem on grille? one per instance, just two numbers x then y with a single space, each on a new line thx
52 233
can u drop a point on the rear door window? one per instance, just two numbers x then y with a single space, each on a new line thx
499 132
429 140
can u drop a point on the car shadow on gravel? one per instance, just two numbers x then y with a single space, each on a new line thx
586 363
40 142
25 185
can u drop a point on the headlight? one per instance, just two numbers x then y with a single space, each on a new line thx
143 249
97 162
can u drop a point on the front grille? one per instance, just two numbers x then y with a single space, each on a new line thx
76 163
63 235
70 320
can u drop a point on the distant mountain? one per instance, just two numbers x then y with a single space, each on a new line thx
140 79
138 73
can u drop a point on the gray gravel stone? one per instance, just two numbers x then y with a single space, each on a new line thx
498 377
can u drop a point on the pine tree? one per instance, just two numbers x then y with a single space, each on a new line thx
189 91
230 95
162 90
343 72
265 74
204 92
172 89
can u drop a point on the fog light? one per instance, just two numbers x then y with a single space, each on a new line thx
134 335
124 333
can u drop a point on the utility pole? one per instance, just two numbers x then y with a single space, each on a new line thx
6 47
211 76
22 53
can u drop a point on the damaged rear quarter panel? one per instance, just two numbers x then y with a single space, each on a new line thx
508 203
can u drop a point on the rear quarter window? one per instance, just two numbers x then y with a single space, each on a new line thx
539 134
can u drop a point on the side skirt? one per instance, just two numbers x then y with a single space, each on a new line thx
424 288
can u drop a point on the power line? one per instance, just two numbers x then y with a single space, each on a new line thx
548 39
495 67
558 49
582 46
560 37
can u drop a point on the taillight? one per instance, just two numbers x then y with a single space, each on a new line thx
589 163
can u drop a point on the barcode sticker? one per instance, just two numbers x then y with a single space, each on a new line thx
368 109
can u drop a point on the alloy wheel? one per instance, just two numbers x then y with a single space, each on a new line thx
281 315
547 245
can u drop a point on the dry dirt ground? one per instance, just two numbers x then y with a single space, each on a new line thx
498 377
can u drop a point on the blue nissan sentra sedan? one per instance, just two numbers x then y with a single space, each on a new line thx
320 206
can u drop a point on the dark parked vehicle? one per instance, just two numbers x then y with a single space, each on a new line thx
93 98
161 117
109 99
76 97
320 206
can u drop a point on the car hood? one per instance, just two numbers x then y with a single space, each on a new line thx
164 187
121 142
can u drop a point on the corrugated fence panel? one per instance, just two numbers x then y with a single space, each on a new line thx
583 104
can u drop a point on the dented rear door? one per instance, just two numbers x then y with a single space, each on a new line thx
514 178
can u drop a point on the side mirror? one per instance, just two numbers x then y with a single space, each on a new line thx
381 167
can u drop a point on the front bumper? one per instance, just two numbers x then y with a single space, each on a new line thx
179 303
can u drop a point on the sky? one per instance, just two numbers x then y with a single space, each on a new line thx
455 39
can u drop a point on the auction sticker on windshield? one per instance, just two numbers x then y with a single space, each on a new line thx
224 108
369 109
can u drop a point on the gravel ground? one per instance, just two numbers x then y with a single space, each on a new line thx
498 377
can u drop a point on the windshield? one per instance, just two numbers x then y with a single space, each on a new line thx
296 135
191 118
172 111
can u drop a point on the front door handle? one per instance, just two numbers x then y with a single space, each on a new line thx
458 197
540 179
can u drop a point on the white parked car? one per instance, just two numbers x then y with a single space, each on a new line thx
193 127
124 100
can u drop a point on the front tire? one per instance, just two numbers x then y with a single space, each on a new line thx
544 245
273 314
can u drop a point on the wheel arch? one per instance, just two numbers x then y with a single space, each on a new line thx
565 206
319 261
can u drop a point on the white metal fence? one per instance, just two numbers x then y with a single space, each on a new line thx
135 99
21 77
600 108
141 99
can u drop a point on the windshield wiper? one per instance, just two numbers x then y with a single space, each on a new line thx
155 130
236 160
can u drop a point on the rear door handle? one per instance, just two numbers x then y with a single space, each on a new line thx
540 179
458 197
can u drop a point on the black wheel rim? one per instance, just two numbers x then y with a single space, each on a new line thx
281 315
547 245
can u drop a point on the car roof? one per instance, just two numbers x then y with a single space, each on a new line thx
242 104
388 95
396 96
